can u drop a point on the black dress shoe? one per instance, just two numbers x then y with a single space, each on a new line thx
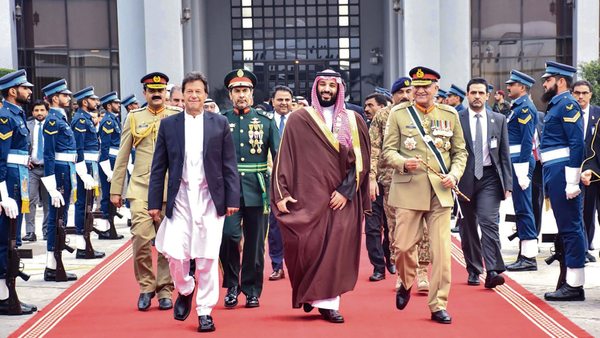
205 324
81 254
523 264
50 276
105 235
307 307
26 309
588 257
165 303
30 237
252 301
441 316
183 306
455 230
493 279
402 297
231 298
377 276
144 300
391 268
566 293
473 279
332 316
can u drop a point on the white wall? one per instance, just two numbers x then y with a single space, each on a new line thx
586 30
132 46
8 35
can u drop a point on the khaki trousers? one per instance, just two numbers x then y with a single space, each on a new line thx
143 232
423 246
408 233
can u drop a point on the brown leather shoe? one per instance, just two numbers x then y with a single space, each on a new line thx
277 275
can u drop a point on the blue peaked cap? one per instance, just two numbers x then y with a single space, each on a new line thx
85 93
522 78
18 78
555 68
110 97
457 91
56 87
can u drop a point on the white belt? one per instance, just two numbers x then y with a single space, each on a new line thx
93 157
65 157
18 159
555 154
113 151
515 149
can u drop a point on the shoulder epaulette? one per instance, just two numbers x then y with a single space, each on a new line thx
175 108
264 113
137 110
401 105
446 107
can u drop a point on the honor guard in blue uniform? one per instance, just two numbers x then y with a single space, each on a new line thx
59 170
441 96
14 175
562 152
456 96
521 128
86 139
254 134
109 132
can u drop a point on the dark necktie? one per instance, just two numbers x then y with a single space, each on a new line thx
281 125
478 151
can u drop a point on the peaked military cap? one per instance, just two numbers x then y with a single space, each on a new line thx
402 82
129 100
155 80
423 76
14 79
442 93
110 97
490 87
455 90
240 78
85 93
56 87
522 78
555 68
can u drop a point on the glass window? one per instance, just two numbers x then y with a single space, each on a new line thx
88 24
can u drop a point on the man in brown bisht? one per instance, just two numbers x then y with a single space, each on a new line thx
322 171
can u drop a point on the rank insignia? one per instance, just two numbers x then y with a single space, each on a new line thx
570 107
52 123
81 120
231 126
4 121
524 110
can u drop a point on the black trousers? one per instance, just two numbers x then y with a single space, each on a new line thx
252 223
482 211
591 201
537 196
378 246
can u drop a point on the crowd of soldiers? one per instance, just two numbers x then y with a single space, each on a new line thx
94 155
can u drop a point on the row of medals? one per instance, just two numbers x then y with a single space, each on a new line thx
255 136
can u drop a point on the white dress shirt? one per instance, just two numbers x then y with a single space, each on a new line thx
278 119
586 117
484 132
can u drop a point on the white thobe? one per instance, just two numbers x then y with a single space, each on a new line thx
195 229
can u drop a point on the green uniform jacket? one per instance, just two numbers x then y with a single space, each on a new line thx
254 134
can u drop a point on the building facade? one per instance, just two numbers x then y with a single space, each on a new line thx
111 43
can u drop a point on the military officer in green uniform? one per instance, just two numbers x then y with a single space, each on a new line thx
254 134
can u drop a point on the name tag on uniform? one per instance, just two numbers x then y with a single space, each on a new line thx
494 143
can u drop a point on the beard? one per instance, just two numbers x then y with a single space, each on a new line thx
549 94
329 102
22 100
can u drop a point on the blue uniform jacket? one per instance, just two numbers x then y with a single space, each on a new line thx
86 136
13 133
563 127
109 132
58 138
521 128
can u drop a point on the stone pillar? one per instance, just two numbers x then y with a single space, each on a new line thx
586 31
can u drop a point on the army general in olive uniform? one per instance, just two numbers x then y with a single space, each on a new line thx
254 134
140 131
430 132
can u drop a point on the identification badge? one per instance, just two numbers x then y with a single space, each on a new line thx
494 143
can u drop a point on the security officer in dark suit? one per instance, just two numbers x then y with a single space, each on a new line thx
456 96
60 156
14 158
86 139
522 121
562 151
109 132
254 134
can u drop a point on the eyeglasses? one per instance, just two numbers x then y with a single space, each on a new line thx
576 93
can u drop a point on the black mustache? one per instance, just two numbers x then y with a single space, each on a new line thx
156 97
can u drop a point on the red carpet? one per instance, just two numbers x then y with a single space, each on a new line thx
103 304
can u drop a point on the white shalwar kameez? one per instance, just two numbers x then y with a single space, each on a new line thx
195 229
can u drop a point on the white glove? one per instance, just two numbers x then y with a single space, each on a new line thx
105 166
9 204
130 166
88 181
522 171
50 184
572 177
